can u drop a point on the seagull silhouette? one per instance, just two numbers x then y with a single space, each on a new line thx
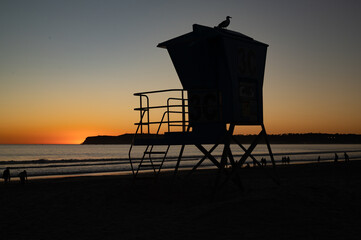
225 23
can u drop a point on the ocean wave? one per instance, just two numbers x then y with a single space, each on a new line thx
46 161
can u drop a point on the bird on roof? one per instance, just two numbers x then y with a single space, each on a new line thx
225 23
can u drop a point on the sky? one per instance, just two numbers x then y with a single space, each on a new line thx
68 69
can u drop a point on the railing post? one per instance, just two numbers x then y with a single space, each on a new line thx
168 115
183 113
148 113
141 124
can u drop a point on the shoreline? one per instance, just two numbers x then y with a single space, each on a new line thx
166 172
171 169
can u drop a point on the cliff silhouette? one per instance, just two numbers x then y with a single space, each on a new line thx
103 139
290 138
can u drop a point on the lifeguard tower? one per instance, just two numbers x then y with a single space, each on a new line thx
221 72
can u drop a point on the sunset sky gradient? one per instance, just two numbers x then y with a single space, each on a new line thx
68 69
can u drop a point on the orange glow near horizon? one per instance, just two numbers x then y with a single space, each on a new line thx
77 137
54 136
64 127
44 138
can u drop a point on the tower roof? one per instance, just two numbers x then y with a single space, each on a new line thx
200 32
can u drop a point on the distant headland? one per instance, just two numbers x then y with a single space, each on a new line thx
291 138
103 139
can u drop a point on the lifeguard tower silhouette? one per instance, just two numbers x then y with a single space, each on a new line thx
221 72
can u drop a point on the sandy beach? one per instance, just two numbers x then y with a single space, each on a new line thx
314 201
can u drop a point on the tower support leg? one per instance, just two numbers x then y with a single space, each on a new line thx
178 161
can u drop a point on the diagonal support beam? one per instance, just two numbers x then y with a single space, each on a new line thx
208 155
202 160
276 178
268 146
238 164
244 149
227 154
249 150
178 161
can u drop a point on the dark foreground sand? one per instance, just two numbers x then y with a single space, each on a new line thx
314 201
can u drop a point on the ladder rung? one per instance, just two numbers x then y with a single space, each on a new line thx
149 164
176 112
164 106
154 152
146 168
149 123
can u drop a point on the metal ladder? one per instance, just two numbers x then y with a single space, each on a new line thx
152 159
148 161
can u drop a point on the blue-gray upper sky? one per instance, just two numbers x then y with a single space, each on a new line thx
81 57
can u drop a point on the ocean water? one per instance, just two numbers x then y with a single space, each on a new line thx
46 160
